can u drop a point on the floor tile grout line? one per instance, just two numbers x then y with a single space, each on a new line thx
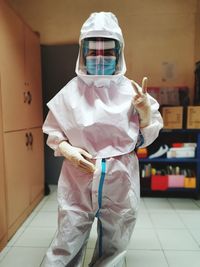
178 215
1 259
35 227
29 246
24 226
163 249
153 228
156 234
192 201
188 229
182 250
175 229
165 256
195 202
48 211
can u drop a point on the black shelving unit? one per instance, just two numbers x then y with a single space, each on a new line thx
168 137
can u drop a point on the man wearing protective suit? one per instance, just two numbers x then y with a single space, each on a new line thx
95 122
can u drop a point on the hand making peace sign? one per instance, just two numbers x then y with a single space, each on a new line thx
141 102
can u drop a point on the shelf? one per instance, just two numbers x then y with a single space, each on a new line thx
169 136
145 190
183 131
171 160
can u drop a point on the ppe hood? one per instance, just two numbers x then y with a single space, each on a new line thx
102 24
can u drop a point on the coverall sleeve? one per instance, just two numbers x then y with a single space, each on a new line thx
151 132
54 132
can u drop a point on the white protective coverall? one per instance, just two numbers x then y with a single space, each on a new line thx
96 114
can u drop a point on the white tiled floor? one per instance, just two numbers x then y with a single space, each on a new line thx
167 233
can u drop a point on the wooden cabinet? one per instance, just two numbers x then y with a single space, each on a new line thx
21 138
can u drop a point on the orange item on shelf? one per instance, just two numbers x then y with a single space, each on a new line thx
190 182
142 152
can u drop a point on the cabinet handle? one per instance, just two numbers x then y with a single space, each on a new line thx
31 139
25 97
29 97
27 139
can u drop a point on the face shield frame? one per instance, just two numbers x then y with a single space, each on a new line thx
99 47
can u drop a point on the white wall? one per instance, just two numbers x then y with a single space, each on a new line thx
159 35
197 34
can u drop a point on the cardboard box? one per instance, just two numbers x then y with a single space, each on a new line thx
172 117
193 117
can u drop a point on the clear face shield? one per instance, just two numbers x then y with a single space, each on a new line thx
100 56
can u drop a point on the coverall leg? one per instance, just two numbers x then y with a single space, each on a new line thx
118 198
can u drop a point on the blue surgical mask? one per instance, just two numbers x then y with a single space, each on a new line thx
101 65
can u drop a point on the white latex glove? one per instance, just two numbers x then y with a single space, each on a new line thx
141 103
77 156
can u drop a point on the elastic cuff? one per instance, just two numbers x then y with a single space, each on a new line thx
140 140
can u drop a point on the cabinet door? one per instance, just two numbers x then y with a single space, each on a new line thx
17 171
3 224
12 69
33 78
36 163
